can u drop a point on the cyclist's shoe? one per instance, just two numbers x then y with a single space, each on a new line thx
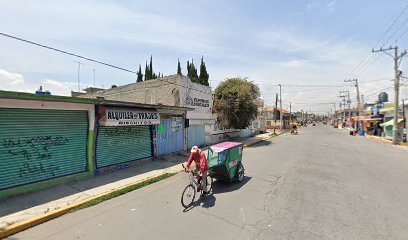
203 193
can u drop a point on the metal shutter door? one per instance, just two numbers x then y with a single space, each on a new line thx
37 144
122 144
196 135
169 141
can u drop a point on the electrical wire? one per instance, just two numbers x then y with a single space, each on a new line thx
65 52
369 56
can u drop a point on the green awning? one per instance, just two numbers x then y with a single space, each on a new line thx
388 109
390 123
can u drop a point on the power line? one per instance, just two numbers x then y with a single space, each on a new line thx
65 52
89 59
369 56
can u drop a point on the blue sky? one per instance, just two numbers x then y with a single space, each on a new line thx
270 42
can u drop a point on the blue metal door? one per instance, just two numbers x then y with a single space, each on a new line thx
170 136
196 135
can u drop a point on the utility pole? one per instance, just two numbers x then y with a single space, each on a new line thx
290 112
280 106
396 138
348 102
355 80
358 94
79 70
274 113
344 105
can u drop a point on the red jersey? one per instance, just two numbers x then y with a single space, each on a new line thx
200 161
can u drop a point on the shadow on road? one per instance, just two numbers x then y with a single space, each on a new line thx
262 143
218 186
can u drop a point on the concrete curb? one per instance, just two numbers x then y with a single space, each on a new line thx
380 139
31 222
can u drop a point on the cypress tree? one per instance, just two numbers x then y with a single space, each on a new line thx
151 67
179 68
147 74
203 78
193 72
139 74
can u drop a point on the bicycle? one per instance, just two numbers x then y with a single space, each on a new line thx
189 192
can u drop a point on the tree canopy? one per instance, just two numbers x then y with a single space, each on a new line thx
235 102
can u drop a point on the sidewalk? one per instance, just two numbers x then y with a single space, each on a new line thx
23 211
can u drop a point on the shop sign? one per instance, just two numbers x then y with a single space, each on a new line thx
127 117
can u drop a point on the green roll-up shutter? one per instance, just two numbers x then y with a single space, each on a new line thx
41 144
116 145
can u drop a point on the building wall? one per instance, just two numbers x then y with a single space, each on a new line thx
174 90
156 91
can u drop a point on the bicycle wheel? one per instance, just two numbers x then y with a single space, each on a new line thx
188 196
209 183
241 173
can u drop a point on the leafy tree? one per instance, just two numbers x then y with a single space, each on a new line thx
139 74
235 102
179 68
203 78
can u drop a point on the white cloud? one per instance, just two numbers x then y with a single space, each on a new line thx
293 63
58 87
10 79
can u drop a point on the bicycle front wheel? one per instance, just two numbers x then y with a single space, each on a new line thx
187 198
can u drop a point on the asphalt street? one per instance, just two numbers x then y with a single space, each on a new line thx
320 184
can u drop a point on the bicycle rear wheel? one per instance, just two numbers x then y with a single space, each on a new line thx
187 198
209 183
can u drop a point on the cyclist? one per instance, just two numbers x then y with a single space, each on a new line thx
201 165
294 128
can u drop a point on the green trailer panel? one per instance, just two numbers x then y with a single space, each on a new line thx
234 157
39 144
115 145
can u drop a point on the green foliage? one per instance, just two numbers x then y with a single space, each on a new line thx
147 73
203 78
151 68
139 74
178 67
235 102
192 72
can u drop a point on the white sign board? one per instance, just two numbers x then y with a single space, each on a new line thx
128 117
176 124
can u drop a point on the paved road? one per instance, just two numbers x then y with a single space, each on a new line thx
321 184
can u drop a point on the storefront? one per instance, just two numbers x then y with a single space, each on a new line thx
42 140
124 134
